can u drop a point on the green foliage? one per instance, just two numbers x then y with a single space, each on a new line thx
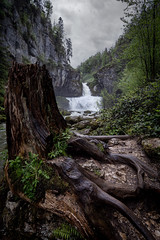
51 63
41 58
48 8
97 172
2 111
92 64
135 114
67 232
60 144
4 66
4 155
142 31
59 40
131 80
5 7
68 49
25 18
25 60
108 100
28 173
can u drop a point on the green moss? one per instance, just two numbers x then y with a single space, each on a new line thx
101 147
97 172
152 149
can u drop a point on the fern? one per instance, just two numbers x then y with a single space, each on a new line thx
60 144
67 232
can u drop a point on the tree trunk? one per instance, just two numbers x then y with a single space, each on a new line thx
32 113
32 119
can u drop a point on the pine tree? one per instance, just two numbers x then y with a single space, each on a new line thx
68 49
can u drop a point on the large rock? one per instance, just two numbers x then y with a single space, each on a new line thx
105 78
70 85
152 148
29 38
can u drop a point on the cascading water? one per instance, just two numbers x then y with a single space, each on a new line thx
86 102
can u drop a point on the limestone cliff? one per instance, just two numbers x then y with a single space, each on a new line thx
106 77
104 70
29 36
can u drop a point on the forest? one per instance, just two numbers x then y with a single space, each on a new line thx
97 184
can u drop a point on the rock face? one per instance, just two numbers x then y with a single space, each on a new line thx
69 85
30 37
106 78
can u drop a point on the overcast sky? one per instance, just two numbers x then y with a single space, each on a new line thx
92 25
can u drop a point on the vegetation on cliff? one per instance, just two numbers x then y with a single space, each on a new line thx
134 114
22 38
138 110
131 95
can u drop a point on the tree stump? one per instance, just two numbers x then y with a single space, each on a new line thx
31 110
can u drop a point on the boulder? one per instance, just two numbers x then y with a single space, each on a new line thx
152 148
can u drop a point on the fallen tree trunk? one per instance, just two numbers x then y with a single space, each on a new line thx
102 138
32 121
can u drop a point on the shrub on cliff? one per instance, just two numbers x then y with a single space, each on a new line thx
135 114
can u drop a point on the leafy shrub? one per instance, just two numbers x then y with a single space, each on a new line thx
60 144
108 100
137 114
28 173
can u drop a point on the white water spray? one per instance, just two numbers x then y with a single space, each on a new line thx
86 102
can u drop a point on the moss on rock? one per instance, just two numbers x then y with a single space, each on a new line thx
152 148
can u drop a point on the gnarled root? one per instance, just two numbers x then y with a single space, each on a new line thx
91 195
93 151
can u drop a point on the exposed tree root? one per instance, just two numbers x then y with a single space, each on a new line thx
88 191
92 150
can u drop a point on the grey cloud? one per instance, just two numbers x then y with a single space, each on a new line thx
92 25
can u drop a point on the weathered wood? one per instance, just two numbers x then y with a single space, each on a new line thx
82 145
102 138
92 150
88 190
31 110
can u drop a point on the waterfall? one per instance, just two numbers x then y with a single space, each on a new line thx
86 102
85 90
